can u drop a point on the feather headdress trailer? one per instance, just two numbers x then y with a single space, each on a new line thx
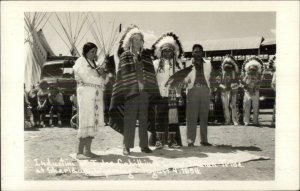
168 40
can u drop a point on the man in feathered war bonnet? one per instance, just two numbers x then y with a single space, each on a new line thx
229 87
134 91
167 49
251 78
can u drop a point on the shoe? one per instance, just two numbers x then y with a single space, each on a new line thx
158 145
42 124
126 151
191 145
92 155
172 141
146 150
205 144
246 124
174 145
50 123
159 138
81 156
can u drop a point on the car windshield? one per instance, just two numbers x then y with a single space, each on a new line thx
58 70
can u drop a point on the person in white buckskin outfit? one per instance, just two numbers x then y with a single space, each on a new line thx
229 87
251 78
90 86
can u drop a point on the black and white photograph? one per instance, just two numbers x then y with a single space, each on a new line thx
128 94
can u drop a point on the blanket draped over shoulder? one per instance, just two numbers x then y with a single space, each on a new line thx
126 87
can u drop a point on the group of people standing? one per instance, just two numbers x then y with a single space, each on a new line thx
144 91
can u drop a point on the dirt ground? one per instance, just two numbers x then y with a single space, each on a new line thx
59 142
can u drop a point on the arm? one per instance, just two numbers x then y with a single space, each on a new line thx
26 98
38 99
84 75
60 99
273 83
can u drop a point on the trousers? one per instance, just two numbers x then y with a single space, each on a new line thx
136 108
162 117
229 106
251 99
197 106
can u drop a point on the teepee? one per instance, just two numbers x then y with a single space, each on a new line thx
71 28
37 48
106 35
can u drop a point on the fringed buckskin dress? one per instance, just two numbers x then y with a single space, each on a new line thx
90 89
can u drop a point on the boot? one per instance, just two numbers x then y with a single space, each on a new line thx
171 140
159 139
81 145
51 123
88 151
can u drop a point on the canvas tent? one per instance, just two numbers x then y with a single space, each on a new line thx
37 48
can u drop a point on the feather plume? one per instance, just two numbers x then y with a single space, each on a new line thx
229 59
125 40
170 39
253 61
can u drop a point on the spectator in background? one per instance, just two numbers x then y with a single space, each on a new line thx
27 112
273 85
217 116
43 102
32 98
251 80
229 87
56 102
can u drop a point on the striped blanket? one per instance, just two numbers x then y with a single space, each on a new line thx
126 87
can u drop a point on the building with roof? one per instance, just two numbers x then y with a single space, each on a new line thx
240 48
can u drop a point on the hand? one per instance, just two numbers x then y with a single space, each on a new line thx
222 86
180 101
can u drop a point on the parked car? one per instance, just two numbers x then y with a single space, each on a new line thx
267 94
58 72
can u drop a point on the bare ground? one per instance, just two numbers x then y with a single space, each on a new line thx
58 143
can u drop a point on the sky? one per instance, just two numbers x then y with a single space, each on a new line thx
189 26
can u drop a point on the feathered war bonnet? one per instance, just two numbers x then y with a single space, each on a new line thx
125 42
253 65
229 64
167 41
